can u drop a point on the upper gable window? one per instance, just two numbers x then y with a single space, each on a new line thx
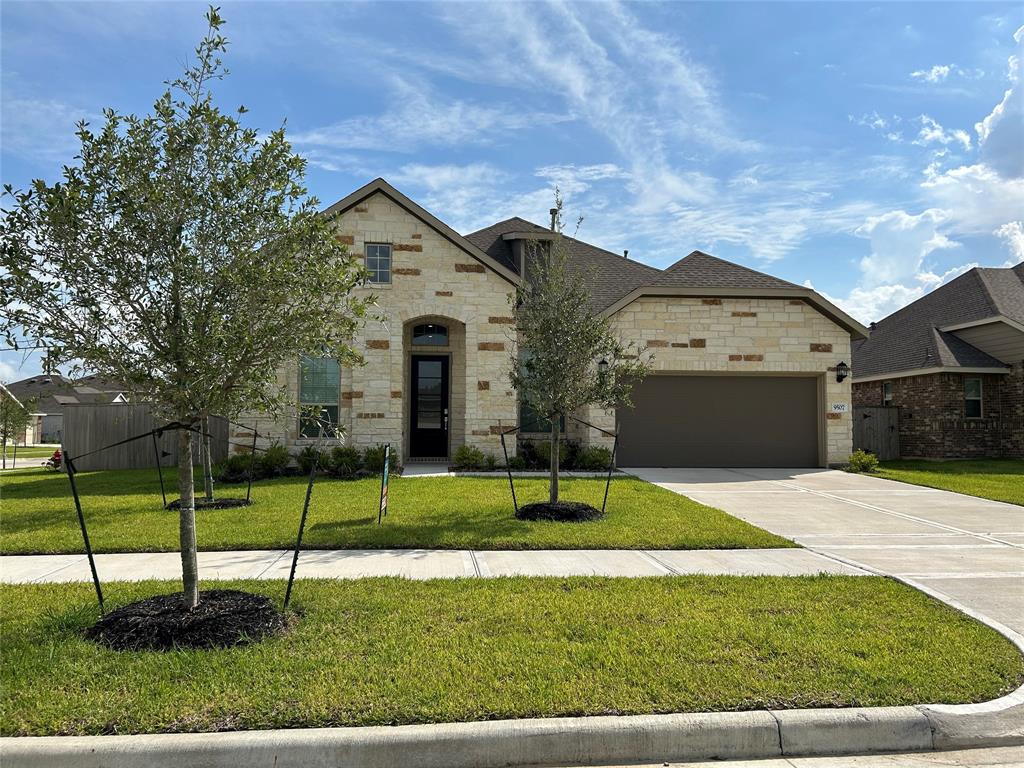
378 262
430 335
886 393
972 398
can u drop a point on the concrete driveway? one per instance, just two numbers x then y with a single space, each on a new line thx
966 548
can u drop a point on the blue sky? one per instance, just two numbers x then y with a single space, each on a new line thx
872 151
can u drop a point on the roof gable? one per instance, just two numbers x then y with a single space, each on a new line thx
380 186
909 338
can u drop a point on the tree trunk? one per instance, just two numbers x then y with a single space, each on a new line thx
553 491
207 460
5 453
187 519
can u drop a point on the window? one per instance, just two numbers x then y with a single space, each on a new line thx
430 335
531 421
886 393
972 398
319 393
378 262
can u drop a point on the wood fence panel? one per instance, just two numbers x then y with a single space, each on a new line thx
877 430
88 428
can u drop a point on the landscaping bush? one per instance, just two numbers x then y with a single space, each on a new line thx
273 461
234 469
311 454
373 461
518 463
490 462
468 457
345 461
593 458
862 461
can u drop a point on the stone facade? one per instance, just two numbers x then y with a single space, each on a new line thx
932 420
742 336
433 280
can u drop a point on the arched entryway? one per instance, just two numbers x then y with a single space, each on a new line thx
434 408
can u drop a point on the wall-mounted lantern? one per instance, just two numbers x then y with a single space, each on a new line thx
842 371
602 367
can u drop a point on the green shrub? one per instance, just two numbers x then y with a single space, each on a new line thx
538 454
345 461
468 457
490 462
518 463
862 461
373 460
273 461
593 458
234 469
311 454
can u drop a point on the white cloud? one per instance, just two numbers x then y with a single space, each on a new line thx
899 244
932 132
940 72
936 74
418 118
974 198
887 126
1013 234
41 130
1001 133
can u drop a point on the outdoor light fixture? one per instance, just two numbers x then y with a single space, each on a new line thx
602 367
842 371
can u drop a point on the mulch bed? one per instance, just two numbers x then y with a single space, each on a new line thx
215 504
560 511
223 618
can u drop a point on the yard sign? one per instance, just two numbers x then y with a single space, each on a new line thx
384 485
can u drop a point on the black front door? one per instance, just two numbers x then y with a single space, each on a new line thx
428 435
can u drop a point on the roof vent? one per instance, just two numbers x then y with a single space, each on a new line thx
554 218
625 253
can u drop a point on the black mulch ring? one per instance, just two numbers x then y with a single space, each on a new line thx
215 504
560 511
223 618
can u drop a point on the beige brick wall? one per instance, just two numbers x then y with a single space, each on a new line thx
433 280
741 335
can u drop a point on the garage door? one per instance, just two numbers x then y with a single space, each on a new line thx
720 421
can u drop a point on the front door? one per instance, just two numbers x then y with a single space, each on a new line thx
428 434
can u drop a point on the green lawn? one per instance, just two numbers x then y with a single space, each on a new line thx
996 479
30 452
392 651
124 514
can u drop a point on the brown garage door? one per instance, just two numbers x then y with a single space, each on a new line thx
720 421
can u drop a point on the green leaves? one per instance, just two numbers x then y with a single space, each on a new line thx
180 254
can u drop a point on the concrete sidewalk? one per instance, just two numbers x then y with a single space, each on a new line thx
424 564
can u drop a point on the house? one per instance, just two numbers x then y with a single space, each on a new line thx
50 393
745 363
953 363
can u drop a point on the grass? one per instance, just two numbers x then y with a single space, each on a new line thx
30 452
391 651
996 479
124 514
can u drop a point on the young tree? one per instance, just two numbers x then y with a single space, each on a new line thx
182 257
569 357
14 419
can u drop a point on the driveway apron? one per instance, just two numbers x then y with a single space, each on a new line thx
969 550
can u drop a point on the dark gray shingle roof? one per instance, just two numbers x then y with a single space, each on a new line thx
699 270
909 338
609 276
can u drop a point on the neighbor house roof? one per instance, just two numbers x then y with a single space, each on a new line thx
922 337
51 393
701 270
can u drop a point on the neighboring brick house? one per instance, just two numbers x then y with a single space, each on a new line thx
953 363
745 363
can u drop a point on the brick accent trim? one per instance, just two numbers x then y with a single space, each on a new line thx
482 385
711 302
744 314
821 347
405 271
698 343
442 293
501 320
415 247
353 395
657 343
378 344
345 239
680 345
396 393
491 346
469 268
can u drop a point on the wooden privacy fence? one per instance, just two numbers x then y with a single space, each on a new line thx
89 427
877 430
